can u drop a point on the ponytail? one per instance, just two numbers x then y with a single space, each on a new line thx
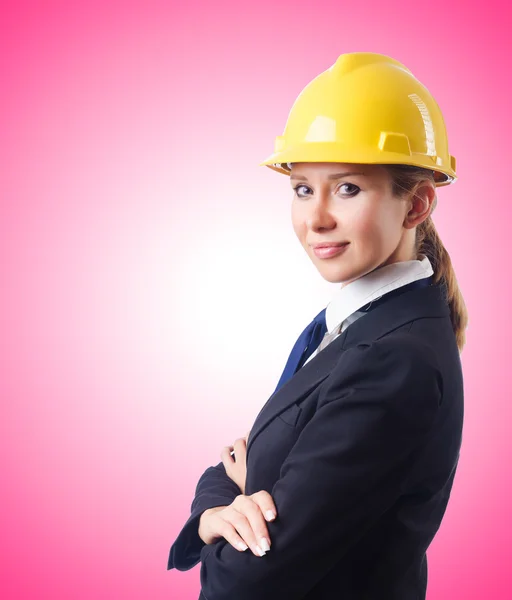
428 242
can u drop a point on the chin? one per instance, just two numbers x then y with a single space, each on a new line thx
339 273
333 276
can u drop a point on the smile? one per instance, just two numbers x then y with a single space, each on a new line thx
328 252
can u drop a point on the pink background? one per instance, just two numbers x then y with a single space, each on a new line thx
146 259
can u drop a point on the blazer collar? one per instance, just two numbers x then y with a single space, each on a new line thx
415 304
350 298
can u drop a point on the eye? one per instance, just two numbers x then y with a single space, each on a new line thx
301 185
354 191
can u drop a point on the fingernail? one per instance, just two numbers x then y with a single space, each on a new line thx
269 515
264 544
242 546
260 551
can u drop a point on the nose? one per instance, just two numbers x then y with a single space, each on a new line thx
320 216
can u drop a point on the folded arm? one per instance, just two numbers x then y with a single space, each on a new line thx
214 488
342 474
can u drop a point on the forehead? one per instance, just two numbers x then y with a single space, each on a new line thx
329 170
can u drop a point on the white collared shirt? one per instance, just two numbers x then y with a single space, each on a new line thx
342 311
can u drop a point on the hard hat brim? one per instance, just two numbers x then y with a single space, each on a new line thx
334 152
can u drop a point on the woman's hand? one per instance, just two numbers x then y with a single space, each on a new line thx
235 465
241 523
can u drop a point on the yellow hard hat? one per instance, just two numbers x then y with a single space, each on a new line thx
365 108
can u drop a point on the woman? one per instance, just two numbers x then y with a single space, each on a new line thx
355 452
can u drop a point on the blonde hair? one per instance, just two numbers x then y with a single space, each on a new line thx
404 179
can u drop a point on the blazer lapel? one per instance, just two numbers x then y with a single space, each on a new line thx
301 384
417 303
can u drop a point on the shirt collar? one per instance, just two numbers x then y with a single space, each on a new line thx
348 299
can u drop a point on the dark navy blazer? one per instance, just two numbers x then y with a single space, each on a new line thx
358 450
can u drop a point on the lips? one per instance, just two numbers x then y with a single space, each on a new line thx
328 251
329 245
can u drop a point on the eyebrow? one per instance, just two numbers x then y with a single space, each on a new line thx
333 176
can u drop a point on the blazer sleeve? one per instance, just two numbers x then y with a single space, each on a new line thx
343 472
214 488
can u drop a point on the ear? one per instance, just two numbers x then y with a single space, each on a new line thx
421 203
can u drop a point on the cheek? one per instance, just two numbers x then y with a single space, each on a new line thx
375 224
298 223
363 223
368 229
296 227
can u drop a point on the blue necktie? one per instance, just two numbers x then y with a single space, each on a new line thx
309 340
